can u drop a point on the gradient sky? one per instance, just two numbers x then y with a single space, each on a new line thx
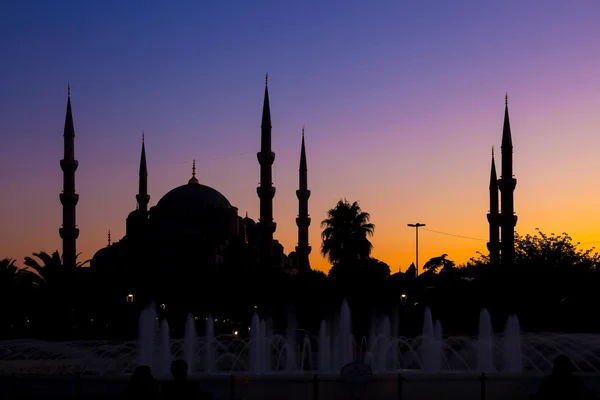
402 103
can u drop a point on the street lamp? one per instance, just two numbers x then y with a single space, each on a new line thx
417 226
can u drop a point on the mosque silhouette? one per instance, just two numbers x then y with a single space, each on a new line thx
193 224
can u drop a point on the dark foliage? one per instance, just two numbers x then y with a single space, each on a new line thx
552 287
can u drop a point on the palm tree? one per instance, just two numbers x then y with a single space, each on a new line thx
60 288
436 262
51 270
12 282
10 275
346 232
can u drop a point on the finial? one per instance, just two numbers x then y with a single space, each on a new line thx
302 131
492 151
267 79
246 214
142 137
193 179
506 99
69 89
109 237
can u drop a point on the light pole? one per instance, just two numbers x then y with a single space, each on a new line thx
417 226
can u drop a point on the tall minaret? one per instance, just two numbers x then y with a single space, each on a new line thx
266 191
303 220
143 198
507 185
68 198
493 216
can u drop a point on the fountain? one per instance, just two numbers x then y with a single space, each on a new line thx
147 335
513 356
324 349
165 342
209 364
266 351
256 344
485 343
189 343
429 349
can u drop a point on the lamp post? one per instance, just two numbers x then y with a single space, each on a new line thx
417 226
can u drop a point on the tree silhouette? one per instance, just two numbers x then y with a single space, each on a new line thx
11 276
60 289
438 262
13 283
346 232
552 252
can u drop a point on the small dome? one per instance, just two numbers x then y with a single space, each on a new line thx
191 197
136 214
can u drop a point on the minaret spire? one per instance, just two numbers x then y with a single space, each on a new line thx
507 185
266 191
303 221
109 241
143 198
493 216
68 198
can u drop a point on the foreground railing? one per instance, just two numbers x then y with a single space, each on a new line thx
403 386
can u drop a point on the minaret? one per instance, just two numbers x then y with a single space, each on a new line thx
143 198
303 220
266 191
507 185
493 216
68 198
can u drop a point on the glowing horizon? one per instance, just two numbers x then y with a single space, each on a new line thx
401 106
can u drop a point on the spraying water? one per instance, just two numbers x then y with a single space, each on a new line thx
189 343
255 345
427 350
210 345
333 348
485 343
513 355
147 335
165 347
345 340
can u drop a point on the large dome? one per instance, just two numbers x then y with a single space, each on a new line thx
191 197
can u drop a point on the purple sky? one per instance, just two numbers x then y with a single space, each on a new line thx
402 102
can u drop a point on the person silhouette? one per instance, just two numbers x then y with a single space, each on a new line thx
142 385
561 384
180 388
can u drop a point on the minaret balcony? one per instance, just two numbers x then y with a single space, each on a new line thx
265 192
69 165
303 250
302 222
268 226
303 194
68 233
69 199
507 184
493 218
265 157
493 246
142 198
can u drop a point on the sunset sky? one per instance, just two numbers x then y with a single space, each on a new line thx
402 102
